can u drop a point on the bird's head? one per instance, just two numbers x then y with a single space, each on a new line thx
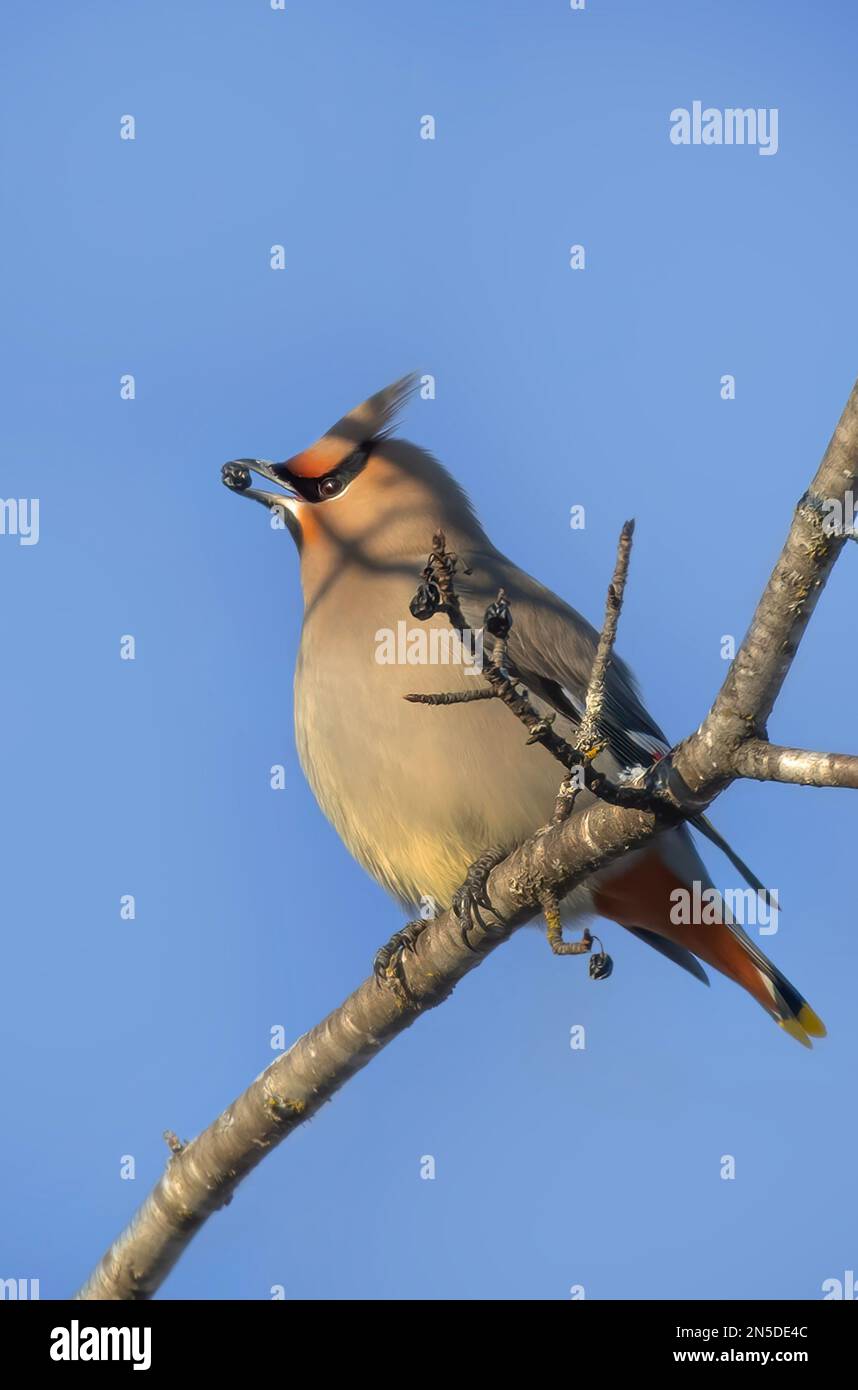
356 490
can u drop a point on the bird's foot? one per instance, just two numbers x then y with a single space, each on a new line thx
473 895
601 964
387 965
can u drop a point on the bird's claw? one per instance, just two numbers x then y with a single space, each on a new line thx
473 895
387 964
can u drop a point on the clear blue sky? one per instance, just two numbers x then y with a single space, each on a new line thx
254 127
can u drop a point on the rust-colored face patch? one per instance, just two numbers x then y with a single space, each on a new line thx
310 532
324 471
319 459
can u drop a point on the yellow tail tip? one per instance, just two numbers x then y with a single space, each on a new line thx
795 1030
811 1022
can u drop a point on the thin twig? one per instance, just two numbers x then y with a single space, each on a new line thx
590 728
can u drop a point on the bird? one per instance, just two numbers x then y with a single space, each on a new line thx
417 801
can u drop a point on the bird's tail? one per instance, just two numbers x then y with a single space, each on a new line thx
642 898
736 955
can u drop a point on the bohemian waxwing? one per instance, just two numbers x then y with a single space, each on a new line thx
418 794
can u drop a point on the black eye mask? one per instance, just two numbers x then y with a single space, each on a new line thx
329 485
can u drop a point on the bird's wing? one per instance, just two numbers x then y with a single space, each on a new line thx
551 650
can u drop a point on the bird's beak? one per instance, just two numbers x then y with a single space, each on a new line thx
236 476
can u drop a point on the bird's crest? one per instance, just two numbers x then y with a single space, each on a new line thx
375 417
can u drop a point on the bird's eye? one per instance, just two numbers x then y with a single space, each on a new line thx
331 487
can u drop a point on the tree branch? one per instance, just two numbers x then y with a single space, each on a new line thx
766 762
754 680
201 1176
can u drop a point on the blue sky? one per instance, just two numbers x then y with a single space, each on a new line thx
554 1167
